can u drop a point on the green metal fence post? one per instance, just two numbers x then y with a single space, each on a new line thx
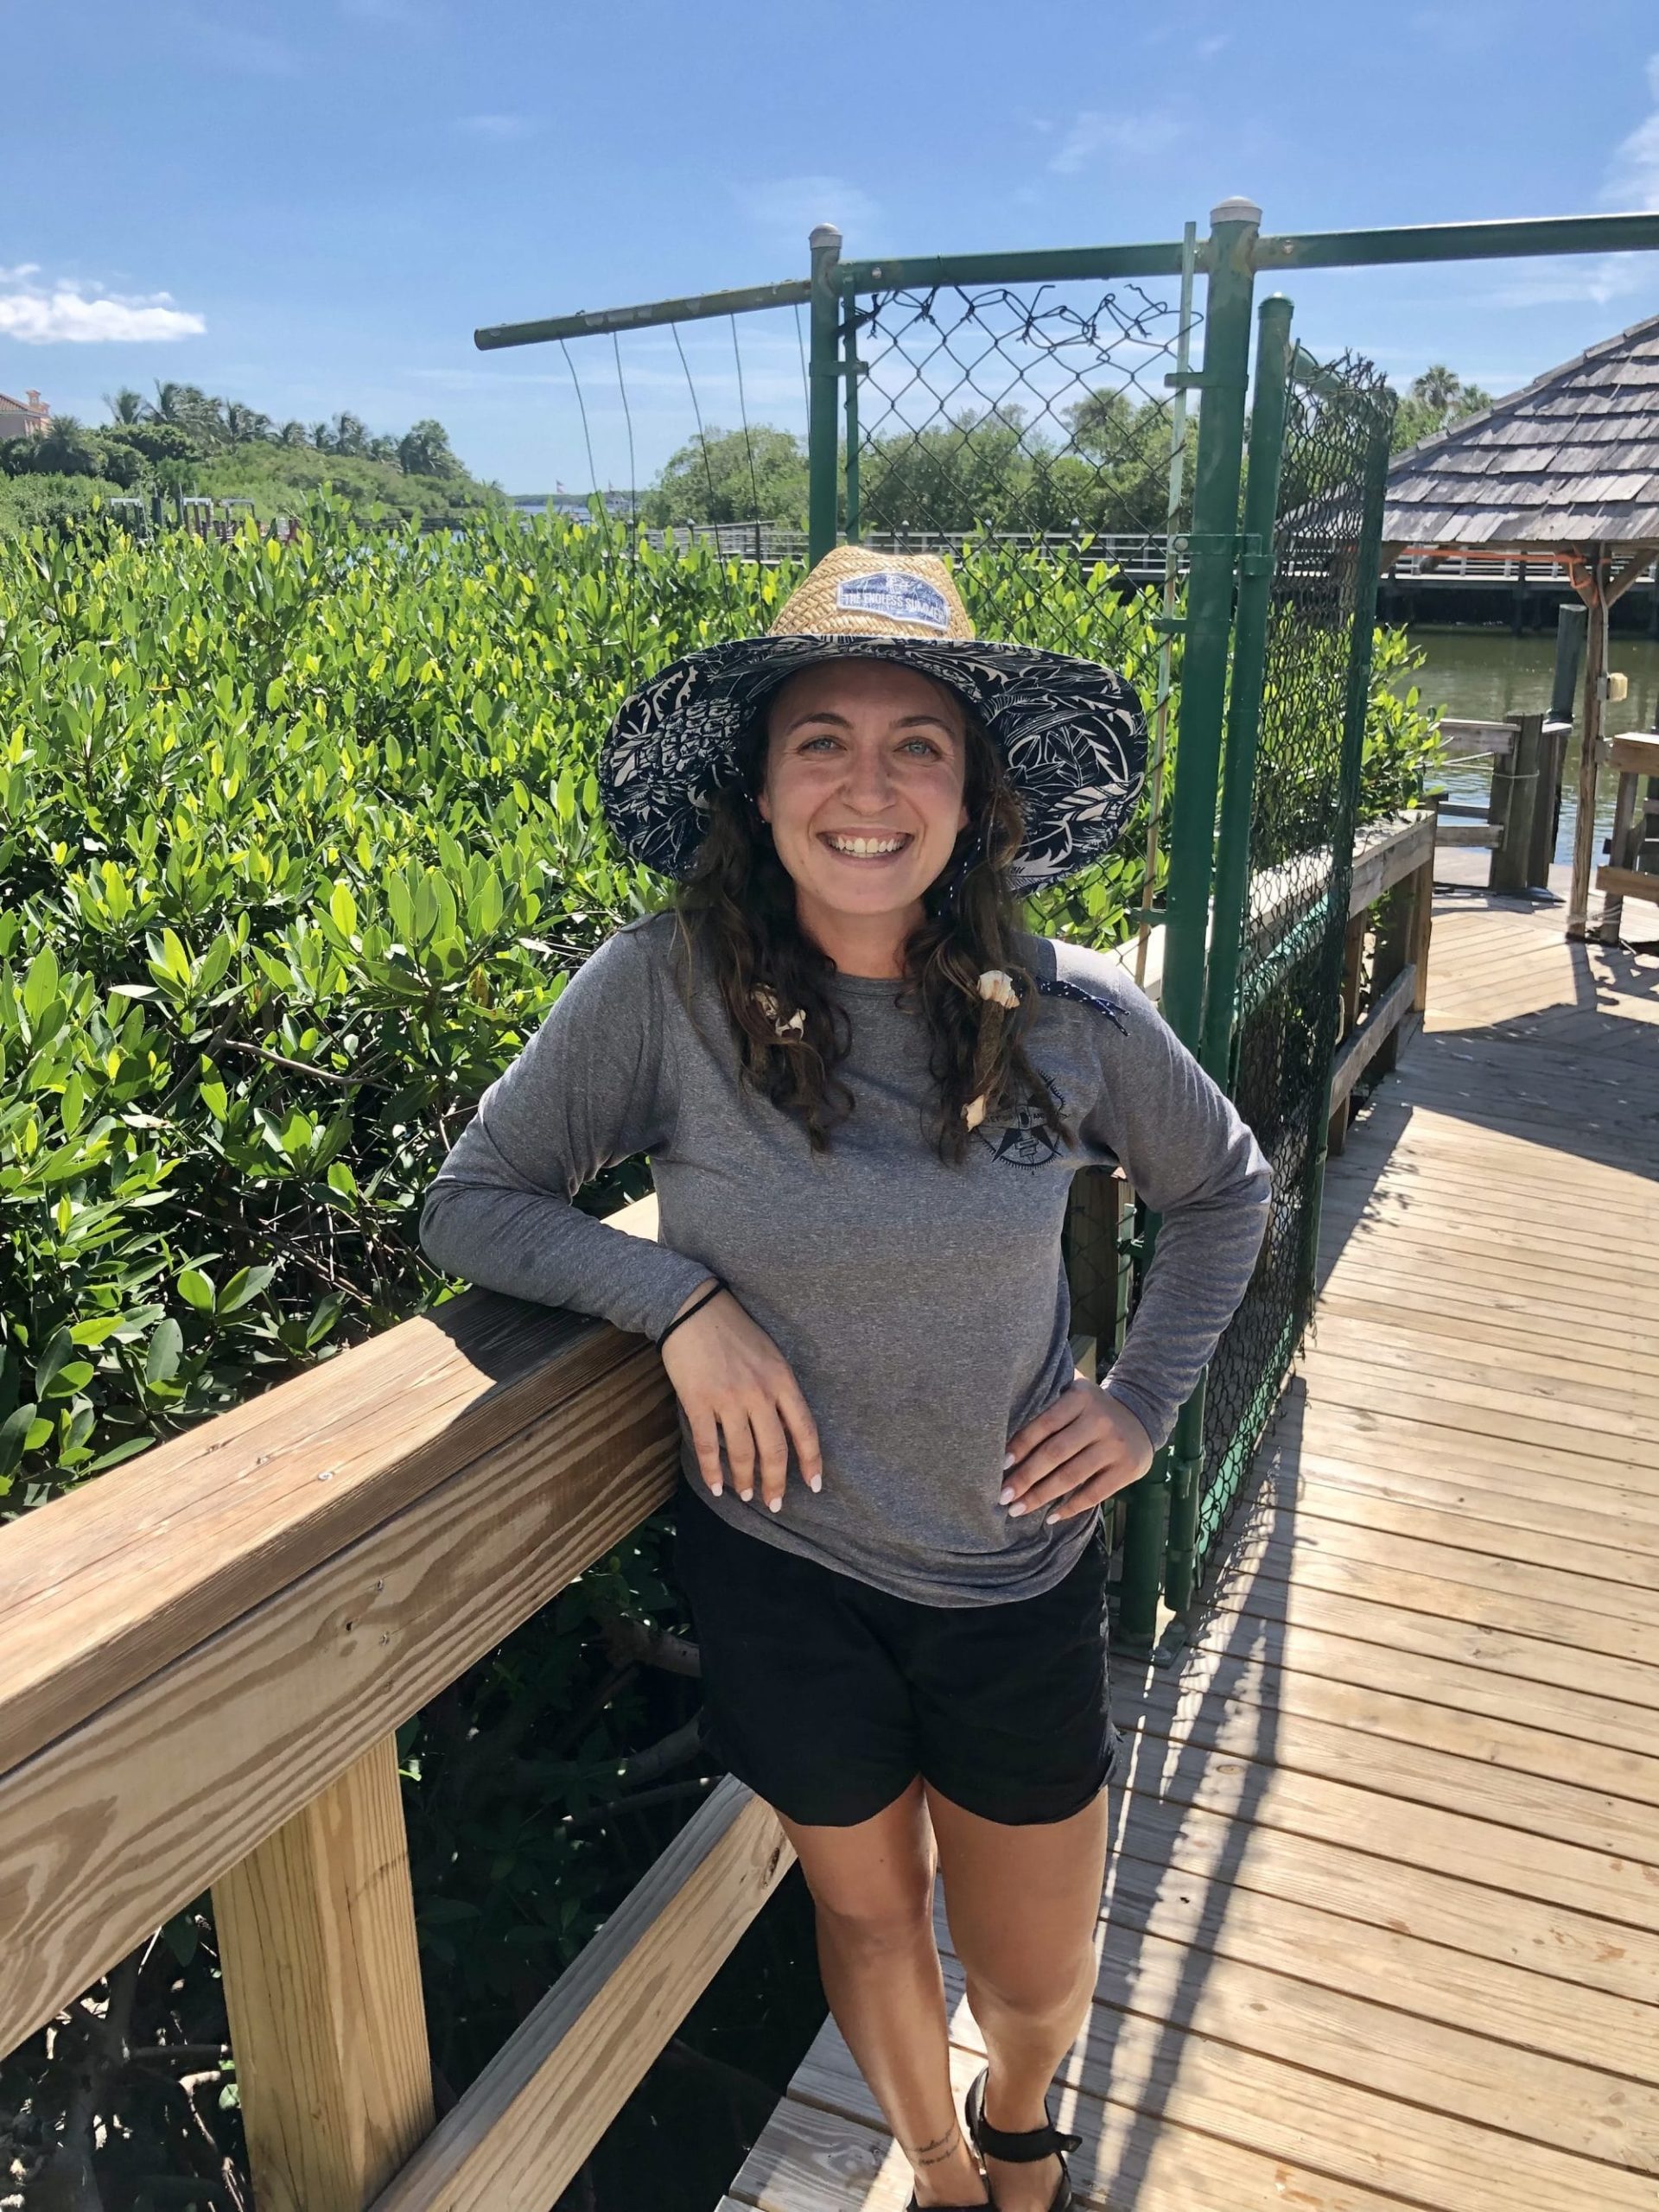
824 426
1171 1486
852 368
1368 564
1250 671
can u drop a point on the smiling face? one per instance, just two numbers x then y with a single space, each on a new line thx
865 775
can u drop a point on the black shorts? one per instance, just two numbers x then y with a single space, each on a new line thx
829 1698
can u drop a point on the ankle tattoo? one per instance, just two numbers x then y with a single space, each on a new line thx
935 2153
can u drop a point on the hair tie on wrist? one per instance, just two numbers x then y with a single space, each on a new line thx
713 1292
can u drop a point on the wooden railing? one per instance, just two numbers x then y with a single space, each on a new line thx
203 1657
1397 852
1517 824
1633 846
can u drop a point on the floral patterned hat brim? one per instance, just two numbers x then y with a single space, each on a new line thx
1072 733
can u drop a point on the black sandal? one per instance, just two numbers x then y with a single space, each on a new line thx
1023 2149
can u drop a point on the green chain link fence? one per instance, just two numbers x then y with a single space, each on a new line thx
1298 850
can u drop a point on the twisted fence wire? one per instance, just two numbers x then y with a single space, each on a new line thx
1300 870
996 415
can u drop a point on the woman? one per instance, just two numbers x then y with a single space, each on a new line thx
864 1089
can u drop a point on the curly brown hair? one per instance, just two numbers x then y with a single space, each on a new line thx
738 904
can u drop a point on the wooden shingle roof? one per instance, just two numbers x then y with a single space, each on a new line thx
1573 459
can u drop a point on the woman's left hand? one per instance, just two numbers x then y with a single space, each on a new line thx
1083 1449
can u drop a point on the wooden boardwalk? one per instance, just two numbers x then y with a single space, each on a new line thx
1382 1923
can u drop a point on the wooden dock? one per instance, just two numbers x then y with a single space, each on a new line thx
1382 1928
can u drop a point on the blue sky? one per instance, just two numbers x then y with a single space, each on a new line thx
310 206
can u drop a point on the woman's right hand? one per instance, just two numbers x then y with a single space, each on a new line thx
734 1381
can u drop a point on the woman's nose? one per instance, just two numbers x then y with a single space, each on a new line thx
869 780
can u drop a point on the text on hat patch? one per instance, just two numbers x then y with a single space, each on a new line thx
902 598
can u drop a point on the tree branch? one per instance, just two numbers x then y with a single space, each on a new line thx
629 1641
299 1067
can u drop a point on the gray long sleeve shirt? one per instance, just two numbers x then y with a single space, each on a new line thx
923 1308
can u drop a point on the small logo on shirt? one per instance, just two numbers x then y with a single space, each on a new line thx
1024 1141
890 592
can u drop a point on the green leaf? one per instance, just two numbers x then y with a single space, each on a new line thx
99 1330
343 908
40 983
13 1430
197 1289
166 1349
59 1345
74 1376
244 1285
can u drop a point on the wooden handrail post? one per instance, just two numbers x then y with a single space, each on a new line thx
316 1936
1522 796
1422 928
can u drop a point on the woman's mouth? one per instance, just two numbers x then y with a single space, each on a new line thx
867 848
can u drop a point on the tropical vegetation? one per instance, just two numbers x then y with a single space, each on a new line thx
1101 465
1438 400
184 441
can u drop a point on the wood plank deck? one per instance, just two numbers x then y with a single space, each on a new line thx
1381 1927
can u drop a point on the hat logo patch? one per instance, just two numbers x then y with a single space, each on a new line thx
901 598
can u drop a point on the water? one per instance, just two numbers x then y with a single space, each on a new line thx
1484 674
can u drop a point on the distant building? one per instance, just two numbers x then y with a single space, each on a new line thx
27 417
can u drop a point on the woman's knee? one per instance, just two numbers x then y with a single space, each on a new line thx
892 1917
872 1884
1035 1988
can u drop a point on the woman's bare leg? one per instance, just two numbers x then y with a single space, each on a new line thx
1022 1903
872 1886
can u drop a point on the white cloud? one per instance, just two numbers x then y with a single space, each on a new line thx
1209 47
65 313
796 205
1598 279
1633 174
1121 136
500 128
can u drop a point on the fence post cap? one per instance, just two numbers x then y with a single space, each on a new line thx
822 235
1235 210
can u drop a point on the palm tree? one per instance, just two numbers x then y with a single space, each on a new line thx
245 425
294 434
1439 387
126 405
66 448
349 434
187 407
424 449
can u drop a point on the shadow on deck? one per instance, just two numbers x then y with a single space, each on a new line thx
1381 1925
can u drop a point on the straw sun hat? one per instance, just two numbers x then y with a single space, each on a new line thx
1072 733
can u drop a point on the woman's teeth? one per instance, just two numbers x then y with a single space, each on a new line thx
865 848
